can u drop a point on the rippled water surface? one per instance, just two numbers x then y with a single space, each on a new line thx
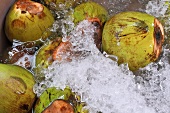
104 85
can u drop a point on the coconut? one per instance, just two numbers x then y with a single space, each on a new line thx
27 21
136 38
16 92
60 101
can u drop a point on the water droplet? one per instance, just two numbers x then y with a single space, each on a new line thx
16 84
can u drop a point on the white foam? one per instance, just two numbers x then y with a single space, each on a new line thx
156 8
103 85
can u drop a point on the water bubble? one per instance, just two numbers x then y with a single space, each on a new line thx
17 85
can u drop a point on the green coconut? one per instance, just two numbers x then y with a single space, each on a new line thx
94 13
27 21
91 11
136 38
66 96
44 56
16 92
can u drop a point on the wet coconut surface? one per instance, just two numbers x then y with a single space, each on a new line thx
102 84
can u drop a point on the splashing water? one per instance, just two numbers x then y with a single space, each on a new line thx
105 86
101 86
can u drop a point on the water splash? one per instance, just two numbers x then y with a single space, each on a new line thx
105 86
